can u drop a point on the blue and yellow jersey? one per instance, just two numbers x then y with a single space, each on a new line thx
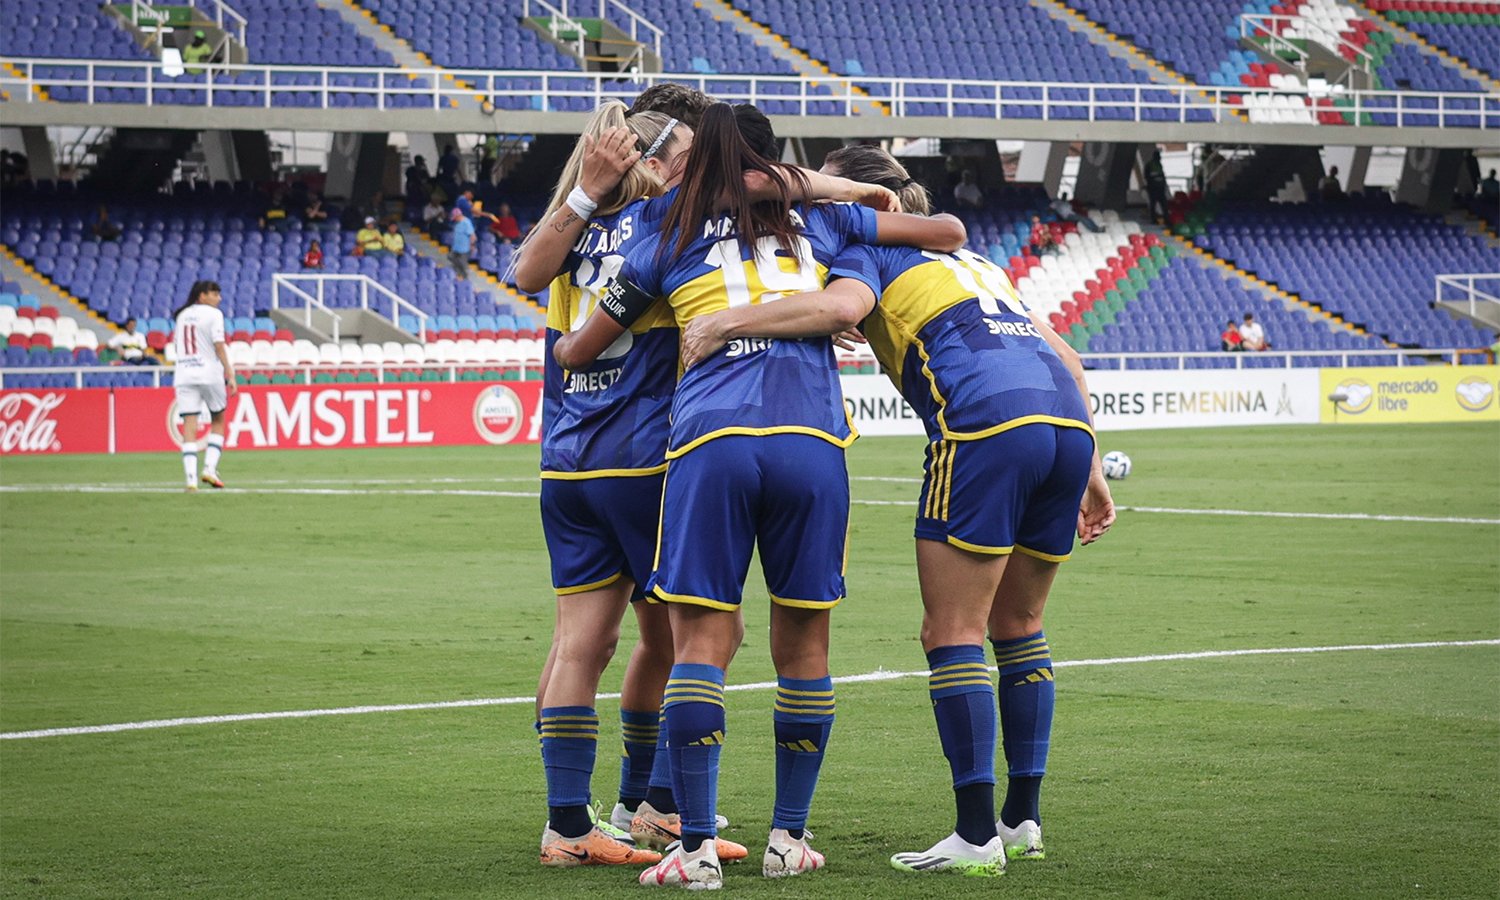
611 418
753 386
955 338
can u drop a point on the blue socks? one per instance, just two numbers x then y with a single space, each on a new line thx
659 790
639 731
963 701
570 738
694 704
803 717
1027 697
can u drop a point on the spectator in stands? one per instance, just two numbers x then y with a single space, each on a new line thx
314 214
447 173
13 168
103 228
503 223
273 215
967 192
489 155
418 184
432 216
1042 239
131 345
465 204
1067 212
369 242
313 258
461 243
197 51
1329 188
1156 185
394 241
1253 335
1230 340
679 101
1489 188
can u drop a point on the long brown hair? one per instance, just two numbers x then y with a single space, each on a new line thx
716 168
873 165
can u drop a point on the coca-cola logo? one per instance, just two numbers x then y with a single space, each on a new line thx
26 425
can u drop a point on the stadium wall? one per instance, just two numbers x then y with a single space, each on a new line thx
284 417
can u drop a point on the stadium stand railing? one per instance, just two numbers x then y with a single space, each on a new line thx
94 81
371 293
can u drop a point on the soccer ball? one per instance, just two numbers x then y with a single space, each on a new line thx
1116 465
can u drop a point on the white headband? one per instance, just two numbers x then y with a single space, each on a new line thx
660 140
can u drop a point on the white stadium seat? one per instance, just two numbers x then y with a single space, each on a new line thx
44 325
328 354
86 338
413 353
372 355
285 353
66 325
23 325
64 341
305 351
264 353
241 354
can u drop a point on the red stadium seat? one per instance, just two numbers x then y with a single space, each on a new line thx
41 340
158 340
243 337
505 334
467 334
47 312
18 340
26 312
262 335
485 334
283 334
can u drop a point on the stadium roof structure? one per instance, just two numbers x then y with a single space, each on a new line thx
143 94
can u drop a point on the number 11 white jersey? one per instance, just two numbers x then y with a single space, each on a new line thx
199 327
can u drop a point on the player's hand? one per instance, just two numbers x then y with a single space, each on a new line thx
232 387
880 199
702 338
848 340
606 161
1096 512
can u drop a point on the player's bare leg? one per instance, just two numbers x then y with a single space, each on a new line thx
1026 697
958 588
190 450
213 447
588 628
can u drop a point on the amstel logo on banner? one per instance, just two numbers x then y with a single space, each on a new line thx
498 414
1413 394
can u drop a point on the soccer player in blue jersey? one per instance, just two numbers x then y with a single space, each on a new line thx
756 456
1011 474
603 454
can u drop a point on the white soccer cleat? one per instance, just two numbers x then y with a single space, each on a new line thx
213 480
1022 842
696 871
955 855
609 827
786 855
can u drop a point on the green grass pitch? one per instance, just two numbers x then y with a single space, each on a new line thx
421 576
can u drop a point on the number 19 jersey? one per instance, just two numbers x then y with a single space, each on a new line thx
610 418
753 386
953 335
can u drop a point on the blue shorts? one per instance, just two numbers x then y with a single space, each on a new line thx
1014 491
789 493
599 530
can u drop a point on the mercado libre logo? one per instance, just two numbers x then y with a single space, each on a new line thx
1474 393
1357 396
498 414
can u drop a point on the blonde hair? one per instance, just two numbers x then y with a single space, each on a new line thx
639 182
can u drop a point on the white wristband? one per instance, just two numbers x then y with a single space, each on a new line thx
581 203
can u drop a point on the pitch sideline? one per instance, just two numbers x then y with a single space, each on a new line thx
879 675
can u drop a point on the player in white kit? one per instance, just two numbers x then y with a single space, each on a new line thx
204 379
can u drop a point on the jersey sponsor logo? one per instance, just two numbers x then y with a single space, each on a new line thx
590 382
498 414
746 346
26 423
1014 329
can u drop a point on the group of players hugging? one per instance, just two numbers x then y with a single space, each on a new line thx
688 418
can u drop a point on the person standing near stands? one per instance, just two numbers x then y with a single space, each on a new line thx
967 192
198 51
461 243
1156 184
203 380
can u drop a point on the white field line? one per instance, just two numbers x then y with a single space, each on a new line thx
879 675
158 488
375 489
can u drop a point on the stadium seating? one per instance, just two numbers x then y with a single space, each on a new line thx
75 29
1368 260
466 35
1470 31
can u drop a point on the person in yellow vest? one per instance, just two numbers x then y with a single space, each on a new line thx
369 242
198 51
394 241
